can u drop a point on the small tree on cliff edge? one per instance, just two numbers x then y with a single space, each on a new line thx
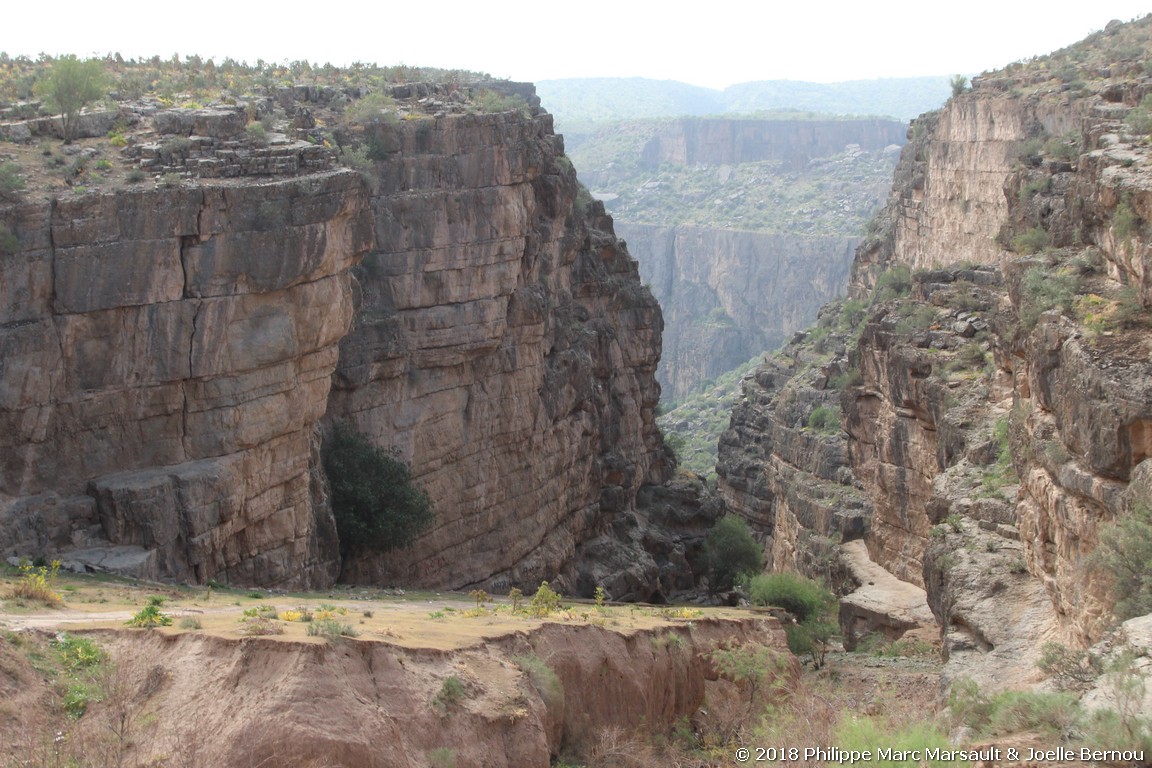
70 86
376 505
730 551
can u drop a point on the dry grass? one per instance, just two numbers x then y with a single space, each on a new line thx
38 583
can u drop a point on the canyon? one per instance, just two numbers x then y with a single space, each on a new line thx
986 430
743 227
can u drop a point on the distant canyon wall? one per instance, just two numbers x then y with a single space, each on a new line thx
690 141
729 295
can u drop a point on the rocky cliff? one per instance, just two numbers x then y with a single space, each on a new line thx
729 295
167 356
170 352
995 416
503 343
743 228
792 143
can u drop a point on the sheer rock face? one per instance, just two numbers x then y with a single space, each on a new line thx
793 143
503 343
167 356
729 295
944 370
793 482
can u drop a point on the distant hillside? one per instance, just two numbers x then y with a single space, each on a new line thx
582 104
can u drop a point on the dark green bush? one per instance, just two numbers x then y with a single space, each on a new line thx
892 284
730 551
376 504
1124 552
809 602
824 419
1032 241
801 597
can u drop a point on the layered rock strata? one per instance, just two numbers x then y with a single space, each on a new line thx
729 295
999 414
503 343
167 356
169 353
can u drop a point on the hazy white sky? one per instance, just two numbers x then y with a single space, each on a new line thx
705 43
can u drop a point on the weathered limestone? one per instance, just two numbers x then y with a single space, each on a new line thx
504 345
730 295
168 355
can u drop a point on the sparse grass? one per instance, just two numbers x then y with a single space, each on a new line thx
331 629
543 678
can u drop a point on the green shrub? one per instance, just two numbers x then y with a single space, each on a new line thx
1124 552
376 504
257 626
1043 290
1034 187
847 379
1139 119
750 665
811 638
824 419
331 629
859 733
373 109
78 653
893 283
11 182
1069 669
545 601
451 692
150 615
257 134
730 551
801 597
491 101
1010 712
1032 241
959 84
1125 222
70 86
38 582
923 317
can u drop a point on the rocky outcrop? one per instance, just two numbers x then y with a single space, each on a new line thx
730 295
999 415
504 345
783 462
792 143
169 353
167 358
